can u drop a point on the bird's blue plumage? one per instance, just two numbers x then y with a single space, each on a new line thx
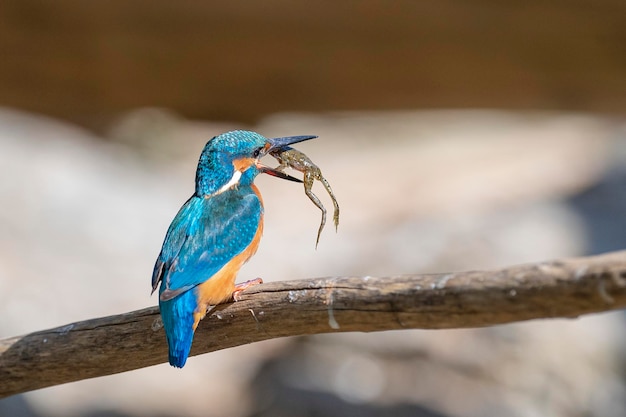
210 229
177 316
205 234
218 223
215 166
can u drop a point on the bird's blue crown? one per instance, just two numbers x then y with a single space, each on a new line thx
215 167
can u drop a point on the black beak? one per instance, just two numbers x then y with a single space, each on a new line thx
275 173
277 143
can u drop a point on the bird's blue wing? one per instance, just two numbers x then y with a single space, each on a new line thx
175 238
205 234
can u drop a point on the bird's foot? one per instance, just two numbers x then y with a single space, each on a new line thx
239 288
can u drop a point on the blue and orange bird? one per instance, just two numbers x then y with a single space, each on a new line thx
214 233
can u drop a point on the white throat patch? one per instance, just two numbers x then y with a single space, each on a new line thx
231 183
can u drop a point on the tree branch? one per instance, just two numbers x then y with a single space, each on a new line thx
109 345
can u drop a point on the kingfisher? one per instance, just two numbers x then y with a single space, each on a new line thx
214 233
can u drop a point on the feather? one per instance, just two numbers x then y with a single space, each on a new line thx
205 238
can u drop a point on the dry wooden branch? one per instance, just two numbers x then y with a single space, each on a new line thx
108 345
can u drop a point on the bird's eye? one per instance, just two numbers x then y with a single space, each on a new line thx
256 153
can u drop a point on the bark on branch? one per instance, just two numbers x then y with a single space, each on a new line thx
108 345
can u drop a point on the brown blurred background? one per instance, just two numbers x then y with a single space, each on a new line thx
89 61
455 135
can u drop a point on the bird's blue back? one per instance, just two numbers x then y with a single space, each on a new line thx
203 237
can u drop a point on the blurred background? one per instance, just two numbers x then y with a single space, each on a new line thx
455 135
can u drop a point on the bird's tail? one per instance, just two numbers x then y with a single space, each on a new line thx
178 320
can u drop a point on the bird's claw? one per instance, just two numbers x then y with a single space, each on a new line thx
241 287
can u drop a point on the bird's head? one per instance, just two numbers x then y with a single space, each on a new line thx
232 158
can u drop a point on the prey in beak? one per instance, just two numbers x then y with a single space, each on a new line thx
264 169
276 144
